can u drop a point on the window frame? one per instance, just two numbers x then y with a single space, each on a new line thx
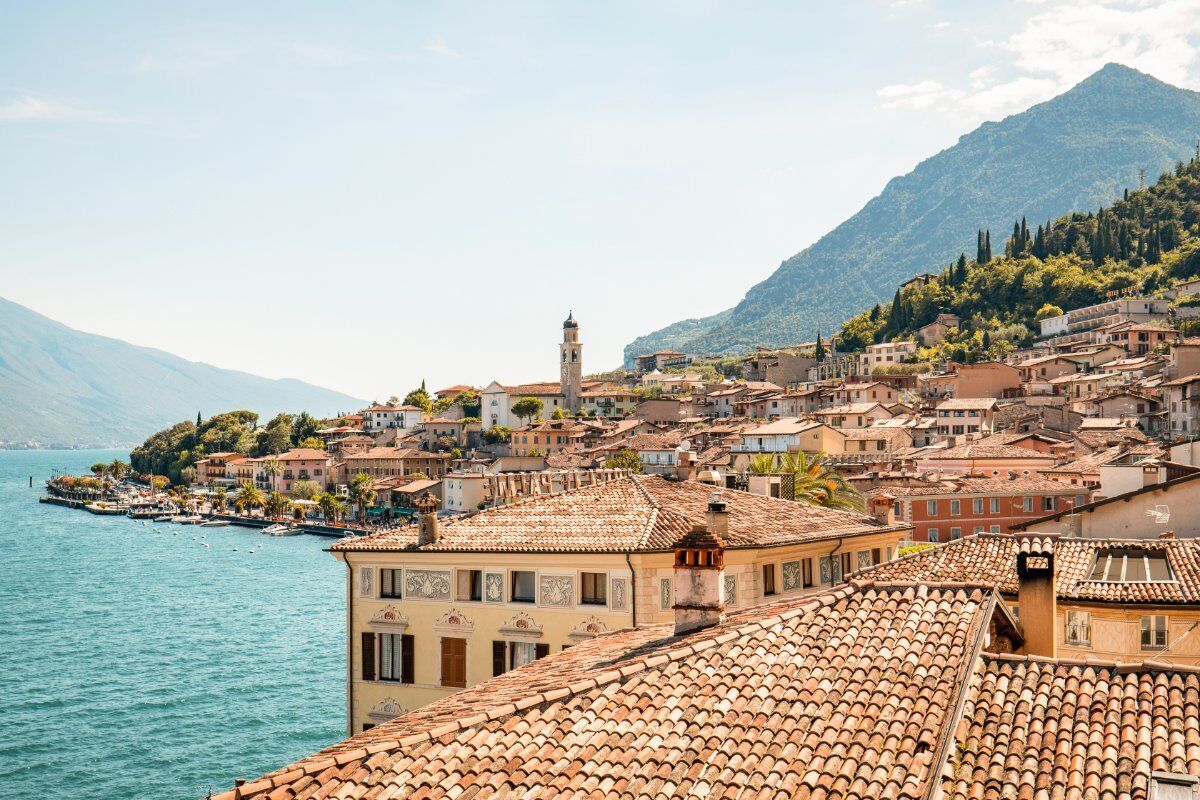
1149 633
391 583
600 581
474 587
512 586
1072 624
768 571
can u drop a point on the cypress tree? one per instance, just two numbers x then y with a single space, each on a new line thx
819 351
197 419
987 246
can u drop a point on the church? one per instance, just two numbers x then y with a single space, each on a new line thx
497 399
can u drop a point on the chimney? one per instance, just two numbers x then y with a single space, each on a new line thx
1167 535
685 465
699 580
1037 600
883 509
427 521
718 517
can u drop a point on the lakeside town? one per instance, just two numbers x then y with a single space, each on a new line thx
1032 518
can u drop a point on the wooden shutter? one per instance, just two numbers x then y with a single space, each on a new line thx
368 656
498 651
541 650
406 658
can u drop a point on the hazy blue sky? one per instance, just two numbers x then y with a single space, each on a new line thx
365 194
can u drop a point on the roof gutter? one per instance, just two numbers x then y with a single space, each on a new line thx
632 589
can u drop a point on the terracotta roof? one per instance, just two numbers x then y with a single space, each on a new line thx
967 404
849 694
303 454
1034 728
990 559
851 408
653 441
782 426
539 389
969 485
984 448
639 513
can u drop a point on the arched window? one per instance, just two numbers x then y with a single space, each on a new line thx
574 355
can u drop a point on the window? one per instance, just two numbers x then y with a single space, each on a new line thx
1131 566
470 584
1172 786
1027 504
806 567
955 533
977 506
390 581
1079 628
395 660
454 662
768 571
955 507
593 588
1154 632
524 586
1048 503
978 529
933 534
995 529
511 655
931 507
994 505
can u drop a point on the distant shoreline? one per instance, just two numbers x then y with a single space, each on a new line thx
69 448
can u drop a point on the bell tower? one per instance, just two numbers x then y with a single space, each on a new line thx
571 364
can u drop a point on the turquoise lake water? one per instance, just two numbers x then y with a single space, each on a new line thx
135 663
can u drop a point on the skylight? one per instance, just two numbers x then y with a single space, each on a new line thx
1131 566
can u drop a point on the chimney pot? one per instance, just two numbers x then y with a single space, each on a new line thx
699 580
1037 595
427 520
1167 535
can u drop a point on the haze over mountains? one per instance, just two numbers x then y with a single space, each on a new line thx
1075 152
62 387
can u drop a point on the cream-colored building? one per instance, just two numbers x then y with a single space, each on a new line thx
442 605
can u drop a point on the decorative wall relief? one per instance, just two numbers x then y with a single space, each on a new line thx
731 590
521 624
386 709
454 622
389 617
864 559
793 576
427 584
366 581
556 590
826 570
493 587
664 590
619 593
586 629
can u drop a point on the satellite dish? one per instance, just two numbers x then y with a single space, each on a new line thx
1160 514
685 445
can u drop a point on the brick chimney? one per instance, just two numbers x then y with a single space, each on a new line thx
1037 599
685 465
427 521
718 517
699 580
883 509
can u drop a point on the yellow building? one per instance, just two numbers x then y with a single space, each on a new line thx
440 606
1124 600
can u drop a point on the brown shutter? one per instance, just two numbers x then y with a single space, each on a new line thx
406 658
541 650
368 656
498 650
447 662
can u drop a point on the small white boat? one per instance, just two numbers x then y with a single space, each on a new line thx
279 529
185 519
215 523
166 518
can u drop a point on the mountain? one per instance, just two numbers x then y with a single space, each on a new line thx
1072 153
62 387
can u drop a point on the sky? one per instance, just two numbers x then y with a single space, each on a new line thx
365 195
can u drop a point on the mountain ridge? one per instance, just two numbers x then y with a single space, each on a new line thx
1073 152
63 387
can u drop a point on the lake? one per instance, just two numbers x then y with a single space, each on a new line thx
138 663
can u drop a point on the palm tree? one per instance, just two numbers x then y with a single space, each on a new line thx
362 493
331 506
819 485
763 464
276 505
220 499
248 498
117 468
271 467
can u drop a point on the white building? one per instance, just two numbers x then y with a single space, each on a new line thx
382 417
885 354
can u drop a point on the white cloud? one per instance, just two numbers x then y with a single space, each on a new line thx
1060 45
925 94
940 25
28 108
438 46
1071 41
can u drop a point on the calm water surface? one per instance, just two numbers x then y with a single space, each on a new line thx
138 664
